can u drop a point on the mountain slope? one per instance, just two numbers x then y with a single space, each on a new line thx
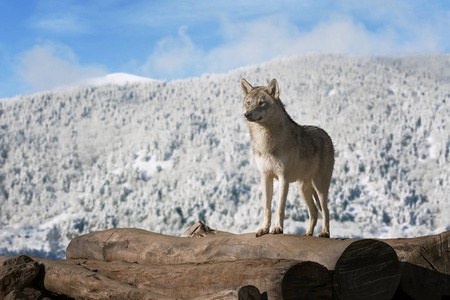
162 155
116 79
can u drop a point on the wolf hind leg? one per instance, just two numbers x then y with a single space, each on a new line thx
316 198
321 189
305 190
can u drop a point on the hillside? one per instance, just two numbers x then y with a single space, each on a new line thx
162 155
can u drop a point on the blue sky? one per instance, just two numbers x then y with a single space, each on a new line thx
51 43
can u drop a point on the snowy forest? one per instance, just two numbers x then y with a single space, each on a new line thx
162 155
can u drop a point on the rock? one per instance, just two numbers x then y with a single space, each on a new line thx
26 294
17 273
15 295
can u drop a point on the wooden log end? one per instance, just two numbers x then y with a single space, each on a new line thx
83 247
367 269
426 272
307 280
249 292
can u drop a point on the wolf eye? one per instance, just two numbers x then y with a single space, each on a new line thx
261 103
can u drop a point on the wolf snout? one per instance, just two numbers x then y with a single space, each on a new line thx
248 115
252 117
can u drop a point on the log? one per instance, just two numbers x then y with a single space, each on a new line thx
278 279
424 261
144 247
65 277
425 265
90 280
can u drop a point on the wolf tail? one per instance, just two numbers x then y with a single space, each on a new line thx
316 198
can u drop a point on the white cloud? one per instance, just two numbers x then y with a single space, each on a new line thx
268 37
61 24
253 42
344 36
50 65
174 56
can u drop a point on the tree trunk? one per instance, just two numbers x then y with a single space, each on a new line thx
278 279
66 277
143 247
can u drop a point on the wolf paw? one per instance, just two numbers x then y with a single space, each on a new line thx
307 234
262 232
277 230
324 234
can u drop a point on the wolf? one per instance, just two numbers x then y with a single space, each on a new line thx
288 152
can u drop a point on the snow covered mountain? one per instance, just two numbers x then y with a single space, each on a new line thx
162 155
115 79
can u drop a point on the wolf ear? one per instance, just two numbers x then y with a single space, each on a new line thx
246 87
273 89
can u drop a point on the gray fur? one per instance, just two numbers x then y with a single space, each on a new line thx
288 152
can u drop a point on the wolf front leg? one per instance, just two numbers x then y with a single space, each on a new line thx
267 191
279 221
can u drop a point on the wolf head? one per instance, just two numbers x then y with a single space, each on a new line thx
260 102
